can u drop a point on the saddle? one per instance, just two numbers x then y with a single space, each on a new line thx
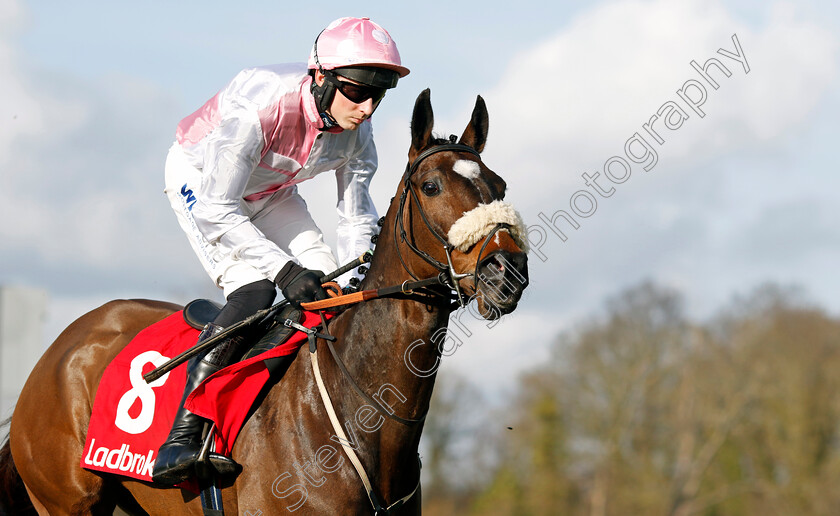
264 336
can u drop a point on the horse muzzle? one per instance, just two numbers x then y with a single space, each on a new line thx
502 278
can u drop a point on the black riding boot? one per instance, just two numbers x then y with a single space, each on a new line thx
177 456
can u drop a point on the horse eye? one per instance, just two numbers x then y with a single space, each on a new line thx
430 188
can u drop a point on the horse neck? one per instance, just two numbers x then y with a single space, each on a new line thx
381 331
374 341
391 344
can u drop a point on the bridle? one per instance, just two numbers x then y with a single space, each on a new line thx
447 276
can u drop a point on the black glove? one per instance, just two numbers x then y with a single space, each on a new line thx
300 285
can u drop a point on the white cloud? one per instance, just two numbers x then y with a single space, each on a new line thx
571 102
81 166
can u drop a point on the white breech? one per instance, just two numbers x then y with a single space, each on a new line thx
282 217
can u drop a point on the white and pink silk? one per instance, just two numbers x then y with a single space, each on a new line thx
261 134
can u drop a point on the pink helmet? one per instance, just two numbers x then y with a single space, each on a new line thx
355 42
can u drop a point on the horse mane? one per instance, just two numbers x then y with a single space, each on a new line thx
438 140
435 140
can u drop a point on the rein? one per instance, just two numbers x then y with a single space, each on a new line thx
404 288
446 268
447 277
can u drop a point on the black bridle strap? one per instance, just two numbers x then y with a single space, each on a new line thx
399 225
404 289
404 236
370 400
455 147
495 229
378 507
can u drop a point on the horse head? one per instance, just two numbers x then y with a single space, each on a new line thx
452 220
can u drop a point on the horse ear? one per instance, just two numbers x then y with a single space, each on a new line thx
421 124
475 135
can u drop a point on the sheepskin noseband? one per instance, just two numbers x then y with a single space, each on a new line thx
478 222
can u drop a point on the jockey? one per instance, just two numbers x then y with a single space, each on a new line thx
231 176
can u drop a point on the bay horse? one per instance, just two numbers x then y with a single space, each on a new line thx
389 347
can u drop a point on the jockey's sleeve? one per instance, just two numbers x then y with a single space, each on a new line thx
232 152
357 215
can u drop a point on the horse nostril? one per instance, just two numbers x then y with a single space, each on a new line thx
503 264
492 264
496 266
501 261
500 267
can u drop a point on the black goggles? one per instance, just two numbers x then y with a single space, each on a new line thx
357 93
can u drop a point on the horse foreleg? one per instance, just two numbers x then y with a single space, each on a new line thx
71 498
36 503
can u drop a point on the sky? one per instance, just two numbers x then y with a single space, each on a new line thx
591 115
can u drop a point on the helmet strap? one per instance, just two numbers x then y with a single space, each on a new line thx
324 95
329 121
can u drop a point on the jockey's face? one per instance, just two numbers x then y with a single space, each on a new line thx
347 113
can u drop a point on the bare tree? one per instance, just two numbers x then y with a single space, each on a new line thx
641 411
